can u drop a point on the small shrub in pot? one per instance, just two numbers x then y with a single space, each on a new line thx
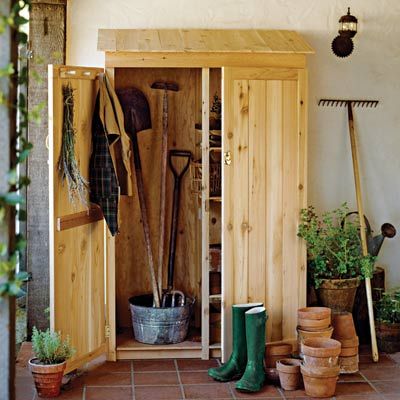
387 316
48 365
335 261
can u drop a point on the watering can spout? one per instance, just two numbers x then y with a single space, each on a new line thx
375 243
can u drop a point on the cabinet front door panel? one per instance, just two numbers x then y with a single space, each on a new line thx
264 185
77 251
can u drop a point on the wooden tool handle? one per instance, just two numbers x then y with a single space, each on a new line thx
357 181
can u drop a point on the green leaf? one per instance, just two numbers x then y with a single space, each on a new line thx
21 215
13 198
19 20
22 276
12 177
22 156
7 71
22 37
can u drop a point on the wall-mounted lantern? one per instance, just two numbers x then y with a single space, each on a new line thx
342 45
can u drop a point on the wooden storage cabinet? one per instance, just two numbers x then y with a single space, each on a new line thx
262 80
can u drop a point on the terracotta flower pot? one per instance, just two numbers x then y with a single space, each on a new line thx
304 334
275 352
314 324
353 342
289 373
349 351
343 325
47 378
338 294
348 365
314 313
319 362
321 347
318 386
323 371
388 337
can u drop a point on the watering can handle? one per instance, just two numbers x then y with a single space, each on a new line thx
367 225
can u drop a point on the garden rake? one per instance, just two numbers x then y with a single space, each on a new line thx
354 152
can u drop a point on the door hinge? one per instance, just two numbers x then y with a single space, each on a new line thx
107 331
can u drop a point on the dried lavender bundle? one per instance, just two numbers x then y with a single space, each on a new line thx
67 164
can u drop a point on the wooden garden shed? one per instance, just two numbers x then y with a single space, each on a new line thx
261 77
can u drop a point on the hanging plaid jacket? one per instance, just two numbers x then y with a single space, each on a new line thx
104 188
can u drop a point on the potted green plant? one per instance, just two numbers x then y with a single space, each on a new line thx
335 262
48 365
387 315
215 113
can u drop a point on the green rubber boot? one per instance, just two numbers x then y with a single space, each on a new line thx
253 378
236 365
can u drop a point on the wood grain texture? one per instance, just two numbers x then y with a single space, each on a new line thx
263 259
48 47
202 40
131 270
126 59
77 302
94 214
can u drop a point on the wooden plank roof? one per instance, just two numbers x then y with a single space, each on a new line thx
202 41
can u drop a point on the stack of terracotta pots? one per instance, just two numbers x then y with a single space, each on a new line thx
344 331
273 353
314 322
320 368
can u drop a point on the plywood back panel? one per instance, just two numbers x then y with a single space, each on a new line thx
132 276
263 193
77 254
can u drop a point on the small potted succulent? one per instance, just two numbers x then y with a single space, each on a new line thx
387 315
48 365
335 261
215 113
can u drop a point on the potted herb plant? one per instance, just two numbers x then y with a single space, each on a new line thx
387 315
48 365
335 262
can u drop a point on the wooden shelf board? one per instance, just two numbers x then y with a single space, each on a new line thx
215 296
126 341
216 198
215 346
212 132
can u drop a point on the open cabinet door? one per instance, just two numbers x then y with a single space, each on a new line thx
264 178
77 237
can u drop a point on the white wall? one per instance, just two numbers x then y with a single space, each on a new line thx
372 71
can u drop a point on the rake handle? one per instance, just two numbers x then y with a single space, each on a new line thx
357 181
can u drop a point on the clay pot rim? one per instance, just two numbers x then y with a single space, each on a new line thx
326 330
288 365
349 351
321 347
331 283
320 372
346 343
316 313
272 349
35 364
314 324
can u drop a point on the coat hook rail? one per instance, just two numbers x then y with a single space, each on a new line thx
81 218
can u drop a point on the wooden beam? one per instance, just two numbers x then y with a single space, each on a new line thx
94 214
125 59
47 27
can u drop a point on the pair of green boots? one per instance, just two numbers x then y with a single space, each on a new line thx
248 348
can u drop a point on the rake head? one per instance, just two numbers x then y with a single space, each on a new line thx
345 102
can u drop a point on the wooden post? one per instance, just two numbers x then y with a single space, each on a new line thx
47 27
8 54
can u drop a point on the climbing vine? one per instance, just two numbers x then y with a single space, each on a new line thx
12 202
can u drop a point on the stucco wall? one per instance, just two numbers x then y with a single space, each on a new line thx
372 71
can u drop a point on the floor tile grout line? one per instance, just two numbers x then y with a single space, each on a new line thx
133 382
179 379
371 384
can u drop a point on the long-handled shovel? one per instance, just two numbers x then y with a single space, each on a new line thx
137 118
357 181
166 86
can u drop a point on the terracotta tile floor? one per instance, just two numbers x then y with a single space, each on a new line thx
188 379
